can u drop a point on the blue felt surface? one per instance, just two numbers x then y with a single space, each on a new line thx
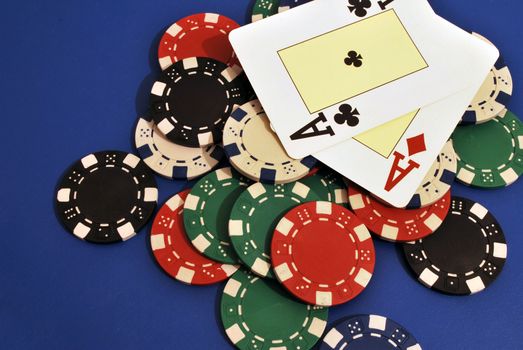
74 76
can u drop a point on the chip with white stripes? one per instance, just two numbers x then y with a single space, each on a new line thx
258 314
106 197
322 253
465 255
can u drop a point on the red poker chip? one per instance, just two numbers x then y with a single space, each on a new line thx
174 252
198 35
398 224
322 253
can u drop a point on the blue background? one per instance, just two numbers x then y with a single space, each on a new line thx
74 76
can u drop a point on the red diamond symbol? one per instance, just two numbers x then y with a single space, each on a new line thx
416 144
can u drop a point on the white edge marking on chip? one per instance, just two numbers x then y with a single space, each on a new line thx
284 226
165 126
475 284
363 277
165 62
126 231
89 160
200 242
509 176
235 228
185 275
362 232
232 287
63 195
174 202
81 230
479 210
230 73
333 338
323 207
261 267
389 232
428 277
173 30
317 327
433 222
256 190
205 138
223 174
190 63
229 269
235 333
377 322
283 271
356 201
158 88
256 18
301 189
131 160
414 347
157 241
211 17
340 196
500 250
151 194
323 298
191 202
466 176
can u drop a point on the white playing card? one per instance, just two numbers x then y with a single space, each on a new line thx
377 160
328 70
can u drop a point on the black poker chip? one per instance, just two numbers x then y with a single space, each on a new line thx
464 255
106 197
193 98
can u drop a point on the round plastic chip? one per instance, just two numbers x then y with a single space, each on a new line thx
174 252
106 197
490 155
255 150
322 253
206 213
258 314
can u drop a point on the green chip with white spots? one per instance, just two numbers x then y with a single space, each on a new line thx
264 8
206 213
254 216
258 313
490 155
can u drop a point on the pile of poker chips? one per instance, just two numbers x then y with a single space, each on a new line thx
290 236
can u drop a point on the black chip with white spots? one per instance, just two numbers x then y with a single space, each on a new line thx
193 98
464 255
106 197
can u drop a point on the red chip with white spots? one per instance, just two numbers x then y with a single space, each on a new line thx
174 252
322 253
198 35
398 224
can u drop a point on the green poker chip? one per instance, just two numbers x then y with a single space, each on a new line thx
258 313
254 216
490 155
264 8
328 185
206 212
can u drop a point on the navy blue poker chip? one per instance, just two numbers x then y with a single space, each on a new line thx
368 332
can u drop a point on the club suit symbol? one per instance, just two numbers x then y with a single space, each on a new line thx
347 115
359 7
353 59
